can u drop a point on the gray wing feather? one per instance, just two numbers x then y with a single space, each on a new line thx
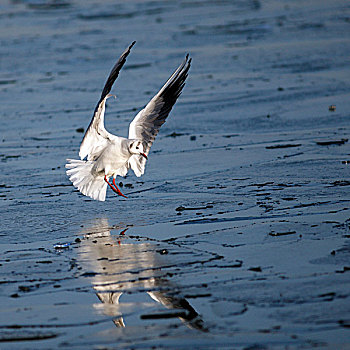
148 121
96 136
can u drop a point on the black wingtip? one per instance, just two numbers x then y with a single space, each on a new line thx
188 61
115 72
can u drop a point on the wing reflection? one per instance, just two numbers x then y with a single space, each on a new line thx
122 267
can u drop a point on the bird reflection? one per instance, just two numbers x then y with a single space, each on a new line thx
120 267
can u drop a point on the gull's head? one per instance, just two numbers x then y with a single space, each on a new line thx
136 147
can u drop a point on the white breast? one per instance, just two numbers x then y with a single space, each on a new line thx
114 159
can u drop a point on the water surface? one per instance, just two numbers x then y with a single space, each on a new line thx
238 234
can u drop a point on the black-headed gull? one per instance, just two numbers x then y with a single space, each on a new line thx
103 155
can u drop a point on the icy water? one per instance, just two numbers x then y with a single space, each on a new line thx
237 236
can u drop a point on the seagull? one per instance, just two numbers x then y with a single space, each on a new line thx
104 155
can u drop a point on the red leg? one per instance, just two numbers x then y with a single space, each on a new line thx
123 232
115 189
115 185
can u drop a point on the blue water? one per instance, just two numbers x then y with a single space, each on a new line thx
242 215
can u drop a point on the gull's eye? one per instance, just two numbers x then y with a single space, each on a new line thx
137 147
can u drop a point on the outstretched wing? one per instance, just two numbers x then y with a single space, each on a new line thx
96 136
148 121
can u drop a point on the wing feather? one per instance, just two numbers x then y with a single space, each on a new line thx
97 137
148 121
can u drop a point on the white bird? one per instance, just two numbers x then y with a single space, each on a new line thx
103 155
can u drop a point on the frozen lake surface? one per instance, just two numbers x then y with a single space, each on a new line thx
237 236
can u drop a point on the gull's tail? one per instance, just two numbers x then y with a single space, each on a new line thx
80 173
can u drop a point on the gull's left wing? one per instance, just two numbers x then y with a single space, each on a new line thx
148 121
96 136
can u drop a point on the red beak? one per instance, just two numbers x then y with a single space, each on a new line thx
143 155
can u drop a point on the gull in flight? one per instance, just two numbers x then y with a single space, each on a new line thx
103 155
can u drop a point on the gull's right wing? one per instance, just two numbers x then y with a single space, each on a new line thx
96 136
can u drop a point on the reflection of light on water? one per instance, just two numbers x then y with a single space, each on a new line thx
128 268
